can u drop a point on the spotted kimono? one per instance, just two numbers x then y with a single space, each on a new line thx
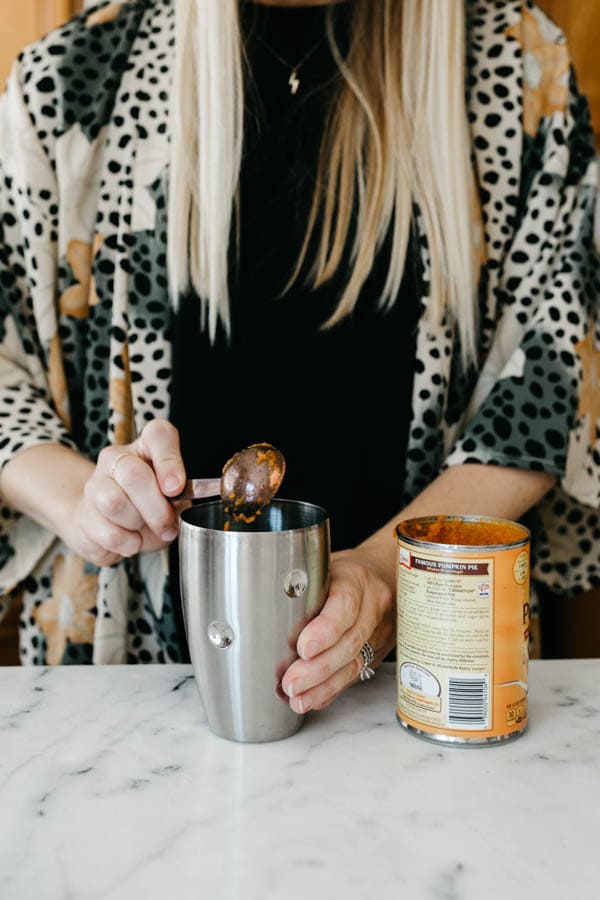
85 315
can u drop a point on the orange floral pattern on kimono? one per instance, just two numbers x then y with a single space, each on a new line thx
546 71
479 248
589 396
78 298
121 402
106 14
58 382
67 615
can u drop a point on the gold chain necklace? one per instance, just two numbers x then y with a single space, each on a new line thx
293 80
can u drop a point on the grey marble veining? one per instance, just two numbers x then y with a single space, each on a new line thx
113 788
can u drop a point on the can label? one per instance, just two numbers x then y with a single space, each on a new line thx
463 634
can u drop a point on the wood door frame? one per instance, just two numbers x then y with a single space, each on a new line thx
25 21
53 12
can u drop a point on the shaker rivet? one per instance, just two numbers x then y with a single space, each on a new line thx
220 634
295 583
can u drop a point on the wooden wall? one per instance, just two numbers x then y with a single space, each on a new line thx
580 20
24 21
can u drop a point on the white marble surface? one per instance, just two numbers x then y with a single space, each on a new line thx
113 788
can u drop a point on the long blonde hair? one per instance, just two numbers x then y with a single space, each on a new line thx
397 135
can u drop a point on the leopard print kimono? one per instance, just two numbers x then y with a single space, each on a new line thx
85 314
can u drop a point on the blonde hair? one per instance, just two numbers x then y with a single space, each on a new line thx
397 136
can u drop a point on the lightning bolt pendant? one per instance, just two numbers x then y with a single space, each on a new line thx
294 82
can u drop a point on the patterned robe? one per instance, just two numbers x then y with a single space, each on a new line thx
85 315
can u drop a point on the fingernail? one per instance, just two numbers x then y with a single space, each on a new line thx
169 535
172 482
311 649
304 704
298 686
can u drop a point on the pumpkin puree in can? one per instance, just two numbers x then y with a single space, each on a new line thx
463 628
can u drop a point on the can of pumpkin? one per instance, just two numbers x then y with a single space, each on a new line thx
463 628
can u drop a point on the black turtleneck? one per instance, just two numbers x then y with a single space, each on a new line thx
336 402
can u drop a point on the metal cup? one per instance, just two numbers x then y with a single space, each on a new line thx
247 594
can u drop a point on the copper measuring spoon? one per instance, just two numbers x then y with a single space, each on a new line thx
249 481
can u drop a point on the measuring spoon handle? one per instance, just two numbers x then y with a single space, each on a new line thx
197 488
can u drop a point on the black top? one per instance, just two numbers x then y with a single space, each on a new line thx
336 402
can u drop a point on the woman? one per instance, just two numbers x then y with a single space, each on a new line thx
315 196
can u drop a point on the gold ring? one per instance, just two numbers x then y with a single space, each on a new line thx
114 463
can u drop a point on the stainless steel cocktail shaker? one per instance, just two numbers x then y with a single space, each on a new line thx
247 593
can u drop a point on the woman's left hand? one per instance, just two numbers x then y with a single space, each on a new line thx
361 603
360 607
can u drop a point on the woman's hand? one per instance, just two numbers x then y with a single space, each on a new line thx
361 602
360 607
123 508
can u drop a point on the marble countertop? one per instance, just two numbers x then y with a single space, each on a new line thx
112 787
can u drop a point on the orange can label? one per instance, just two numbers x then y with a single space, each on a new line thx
463 628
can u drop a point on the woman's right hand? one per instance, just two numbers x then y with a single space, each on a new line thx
124 508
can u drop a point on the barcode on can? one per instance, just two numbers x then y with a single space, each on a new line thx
468 701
